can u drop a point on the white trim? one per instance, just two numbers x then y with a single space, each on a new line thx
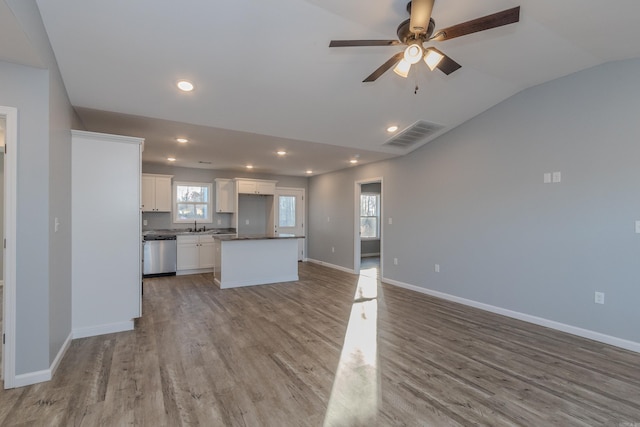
110 328
9 271
60 355
574 330
31 378
356 224
107 137
194 271
335 267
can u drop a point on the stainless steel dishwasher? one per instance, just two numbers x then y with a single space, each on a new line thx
160 255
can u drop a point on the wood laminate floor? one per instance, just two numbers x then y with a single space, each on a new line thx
333 349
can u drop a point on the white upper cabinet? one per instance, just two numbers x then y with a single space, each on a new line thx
256 186
156 193
225 196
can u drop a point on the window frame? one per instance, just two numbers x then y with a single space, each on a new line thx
208 203
377 215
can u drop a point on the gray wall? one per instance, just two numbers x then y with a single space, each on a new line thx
474 202
157 220
43 284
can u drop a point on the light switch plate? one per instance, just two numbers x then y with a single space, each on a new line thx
557 177
547 178
638 226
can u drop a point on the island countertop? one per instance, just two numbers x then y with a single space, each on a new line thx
235 237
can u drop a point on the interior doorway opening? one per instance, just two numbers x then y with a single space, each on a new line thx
368 225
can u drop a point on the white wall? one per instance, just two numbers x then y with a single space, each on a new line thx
474 202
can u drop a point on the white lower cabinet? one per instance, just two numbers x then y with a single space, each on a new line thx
195 252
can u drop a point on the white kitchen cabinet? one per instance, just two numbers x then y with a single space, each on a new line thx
195 252
207 251
106 276
225 196
156 193
255 186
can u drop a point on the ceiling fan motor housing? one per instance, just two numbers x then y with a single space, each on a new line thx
406 36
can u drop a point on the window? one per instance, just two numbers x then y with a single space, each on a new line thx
369 216
192 202
287 211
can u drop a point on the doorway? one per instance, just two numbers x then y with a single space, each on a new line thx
290 215
368 225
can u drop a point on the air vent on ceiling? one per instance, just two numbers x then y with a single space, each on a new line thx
203 162
414 134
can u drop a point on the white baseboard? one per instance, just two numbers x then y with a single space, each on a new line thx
197 271
30 378
110 328
336 267
574 330
369 255
46 374
60 355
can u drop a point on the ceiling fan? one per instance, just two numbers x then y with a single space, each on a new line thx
418 29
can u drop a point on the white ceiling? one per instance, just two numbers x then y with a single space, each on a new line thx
266 79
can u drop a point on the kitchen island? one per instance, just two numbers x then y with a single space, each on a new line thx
255 260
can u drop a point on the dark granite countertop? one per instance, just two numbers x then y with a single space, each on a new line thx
235 237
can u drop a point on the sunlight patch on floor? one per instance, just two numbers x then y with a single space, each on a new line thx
356 387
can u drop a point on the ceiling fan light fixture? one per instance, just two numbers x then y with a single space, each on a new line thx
413 53
433 58
402 69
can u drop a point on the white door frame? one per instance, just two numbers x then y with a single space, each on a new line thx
356 228
9 270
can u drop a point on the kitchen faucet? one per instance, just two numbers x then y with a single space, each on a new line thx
195 225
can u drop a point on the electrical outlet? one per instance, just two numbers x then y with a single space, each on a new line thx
638 226
219 222
333 249
395 261
390 220
599 298
246 222
144 222
437 268
328 219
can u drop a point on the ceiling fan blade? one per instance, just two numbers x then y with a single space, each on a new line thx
446 64
495 20
420 15
384 67
354 43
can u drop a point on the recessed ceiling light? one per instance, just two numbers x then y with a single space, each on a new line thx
353 161
282 153
249 166
309 172
392 128
182 140
171 159
185 85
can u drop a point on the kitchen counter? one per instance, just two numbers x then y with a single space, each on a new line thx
229 237
255 260
186 232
